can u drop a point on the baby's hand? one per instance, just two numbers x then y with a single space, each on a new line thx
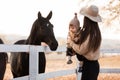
69 40
71 35
76 39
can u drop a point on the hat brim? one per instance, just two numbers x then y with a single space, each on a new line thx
95 19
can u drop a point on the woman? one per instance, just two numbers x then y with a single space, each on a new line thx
88 45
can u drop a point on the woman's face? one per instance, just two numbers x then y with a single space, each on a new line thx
72 28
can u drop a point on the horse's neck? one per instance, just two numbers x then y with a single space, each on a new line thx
32 42
1 41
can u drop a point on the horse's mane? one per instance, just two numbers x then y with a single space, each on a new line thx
31 39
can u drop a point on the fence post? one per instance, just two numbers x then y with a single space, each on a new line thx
33 69
79 74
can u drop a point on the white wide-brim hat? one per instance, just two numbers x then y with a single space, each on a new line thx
92 12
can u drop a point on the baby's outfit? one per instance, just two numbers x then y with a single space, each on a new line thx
74 37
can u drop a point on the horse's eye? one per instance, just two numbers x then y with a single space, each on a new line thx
48 24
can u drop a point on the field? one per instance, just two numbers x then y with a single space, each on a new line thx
59 63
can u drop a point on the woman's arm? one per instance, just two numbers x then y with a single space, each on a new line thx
80 49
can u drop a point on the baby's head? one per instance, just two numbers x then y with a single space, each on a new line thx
74 24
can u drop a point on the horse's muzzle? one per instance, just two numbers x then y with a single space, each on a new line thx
53 46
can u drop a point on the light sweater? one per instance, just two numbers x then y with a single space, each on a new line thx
82 50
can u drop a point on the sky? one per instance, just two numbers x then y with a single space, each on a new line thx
17 16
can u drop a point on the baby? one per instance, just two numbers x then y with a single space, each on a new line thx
73 34
74 29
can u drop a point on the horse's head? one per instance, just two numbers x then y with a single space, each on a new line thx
42 31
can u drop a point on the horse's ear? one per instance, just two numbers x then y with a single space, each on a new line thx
49 15
39 15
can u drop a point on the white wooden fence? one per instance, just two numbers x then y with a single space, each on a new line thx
34 60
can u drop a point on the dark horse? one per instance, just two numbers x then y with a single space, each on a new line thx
3 62
42 31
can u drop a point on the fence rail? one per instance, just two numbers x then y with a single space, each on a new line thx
34 60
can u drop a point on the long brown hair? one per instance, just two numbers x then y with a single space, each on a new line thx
90 28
